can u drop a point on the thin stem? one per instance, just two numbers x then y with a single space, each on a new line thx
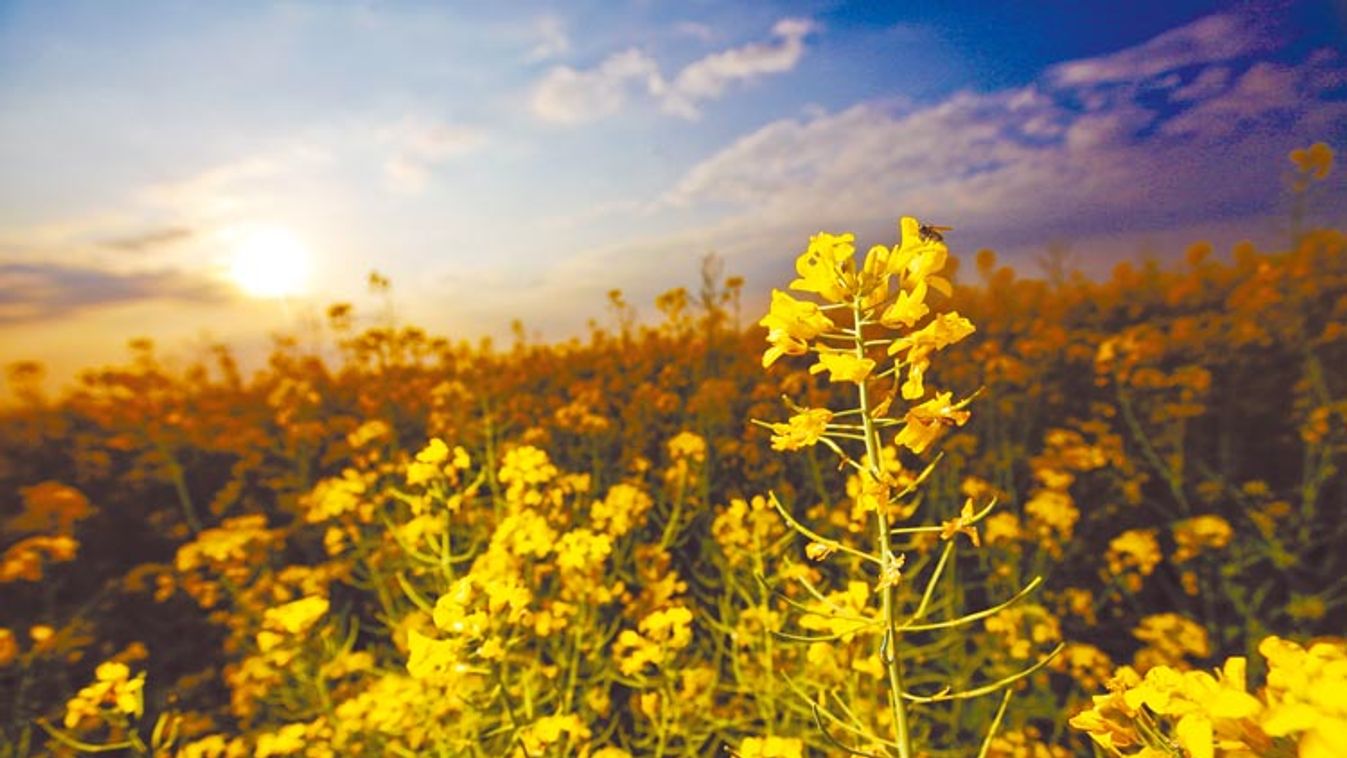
996 723
816 537
888 654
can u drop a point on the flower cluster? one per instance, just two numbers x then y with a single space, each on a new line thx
1302 709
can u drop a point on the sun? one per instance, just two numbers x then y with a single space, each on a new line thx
270 262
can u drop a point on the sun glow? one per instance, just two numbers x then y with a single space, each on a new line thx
270 262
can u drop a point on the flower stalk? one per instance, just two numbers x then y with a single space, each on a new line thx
886 370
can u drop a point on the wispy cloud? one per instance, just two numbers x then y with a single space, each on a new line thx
1211 39
31 292
552 41
571 96
419 146
153 239
1069 153
708 78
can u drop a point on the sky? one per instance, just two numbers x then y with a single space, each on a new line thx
502 161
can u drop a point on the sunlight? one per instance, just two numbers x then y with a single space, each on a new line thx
270 262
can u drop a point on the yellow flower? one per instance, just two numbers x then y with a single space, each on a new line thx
671 626
1315 160
843 367
687 446
435 452
582 549
287 740
920 255
1200 533
296 617
790 325
332 497
1172 636
817 551
825 267
909 308
771 747
942 331
522 470
538 737
9 648
1307 694
367 433
1053 511
524 533
843 612
802 430
113 686
961 524
925 423
1133 549
621 509
429 657
1002 527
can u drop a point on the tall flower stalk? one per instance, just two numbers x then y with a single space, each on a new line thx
875 330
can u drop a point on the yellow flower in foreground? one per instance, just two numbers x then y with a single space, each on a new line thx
113 686
428 657
961 524
825 266
920 254
1307 694
790 325
924 423
915 349
802 430
909 308
843 367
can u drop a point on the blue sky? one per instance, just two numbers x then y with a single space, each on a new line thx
518 160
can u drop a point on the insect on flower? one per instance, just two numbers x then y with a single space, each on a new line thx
933 233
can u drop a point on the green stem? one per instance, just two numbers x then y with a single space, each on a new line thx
889 642
179 478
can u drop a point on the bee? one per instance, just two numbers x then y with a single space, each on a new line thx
933 233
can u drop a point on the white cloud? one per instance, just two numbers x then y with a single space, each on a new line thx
419 146
707 78
567 95
1032 163
1209 82
552 40
570 96
1210 39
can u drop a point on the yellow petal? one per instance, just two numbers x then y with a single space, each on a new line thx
1195 735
